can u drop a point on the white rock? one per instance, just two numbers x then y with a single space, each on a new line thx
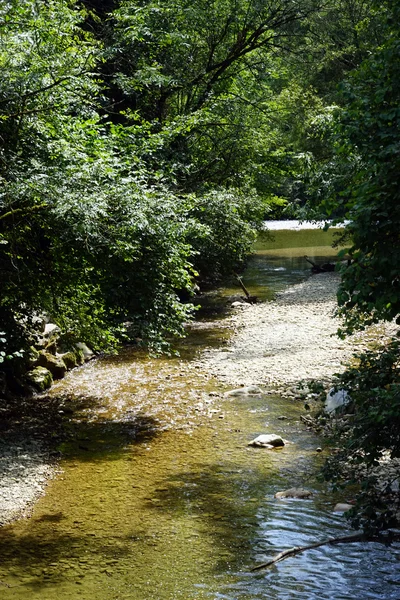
342 507
268 440
299 493
50 329
335 400
250 390
238 304
86 351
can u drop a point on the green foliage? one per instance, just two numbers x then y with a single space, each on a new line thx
104 247
141 147
369 133
175 57
101 139
229 221
206 76
339 37
370 438
363 188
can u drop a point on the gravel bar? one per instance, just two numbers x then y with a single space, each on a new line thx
291 339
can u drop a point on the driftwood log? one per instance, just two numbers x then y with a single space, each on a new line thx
325 268
250 299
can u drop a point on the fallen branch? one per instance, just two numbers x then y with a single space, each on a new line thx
312 263
242 285
251 299
357 537
325 268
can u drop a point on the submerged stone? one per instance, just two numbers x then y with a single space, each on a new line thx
250 390
298 493
342 507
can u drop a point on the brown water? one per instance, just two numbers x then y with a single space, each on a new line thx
161 498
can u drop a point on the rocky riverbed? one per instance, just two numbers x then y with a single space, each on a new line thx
25 469
290 340
275 345
28 460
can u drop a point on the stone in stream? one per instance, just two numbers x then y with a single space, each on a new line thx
40 378
336 400
250 390
299 493
268 440
342 507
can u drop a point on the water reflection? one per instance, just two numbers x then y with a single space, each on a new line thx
347 572
279 260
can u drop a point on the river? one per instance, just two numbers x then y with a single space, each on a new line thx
160 498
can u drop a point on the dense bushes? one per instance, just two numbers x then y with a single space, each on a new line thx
369 438
94 232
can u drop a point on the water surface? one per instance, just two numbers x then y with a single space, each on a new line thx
161 498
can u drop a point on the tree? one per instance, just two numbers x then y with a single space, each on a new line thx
369 133
368 139
91 233
184 68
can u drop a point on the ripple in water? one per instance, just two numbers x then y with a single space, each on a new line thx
357 571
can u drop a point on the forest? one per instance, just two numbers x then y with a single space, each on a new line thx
143 144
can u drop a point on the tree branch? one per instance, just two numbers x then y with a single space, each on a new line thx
347 539
11 213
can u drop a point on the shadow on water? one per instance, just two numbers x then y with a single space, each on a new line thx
67 420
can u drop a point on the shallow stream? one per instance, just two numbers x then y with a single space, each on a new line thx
161 498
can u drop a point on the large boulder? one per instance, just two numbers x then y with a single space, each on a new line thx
54 364
268 440
40 378
70 359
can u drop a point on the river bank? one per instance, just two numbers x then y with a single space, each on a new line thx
275 345
290 340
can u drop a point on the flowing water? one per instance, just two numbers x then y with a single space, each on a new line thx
161 498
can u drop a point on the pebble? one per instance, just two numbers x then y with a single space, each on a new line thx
342 507
25 469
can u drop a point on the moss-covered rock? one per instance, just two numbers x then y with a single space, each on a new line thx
70 359
33 356
54 364
40 378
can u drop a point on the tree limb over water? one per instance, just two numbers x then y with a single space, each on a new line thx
357 537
